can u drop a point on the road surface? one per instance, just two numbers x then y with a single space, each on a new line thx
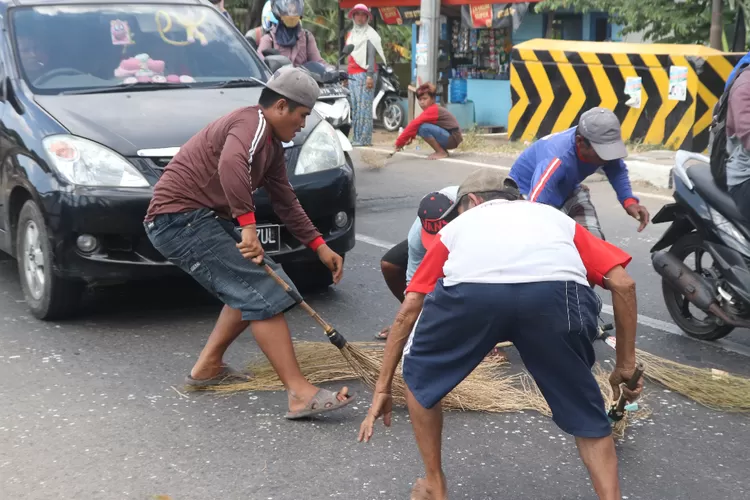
89 410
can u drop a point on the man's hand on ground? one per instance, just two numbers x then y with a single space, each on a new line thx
250 247
639 212
621 376
333 261
382 405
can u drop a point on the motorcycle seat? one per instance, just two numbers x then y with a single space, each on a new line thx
704 183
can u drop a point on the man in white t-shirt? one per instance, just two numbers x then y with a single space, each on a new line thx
507 269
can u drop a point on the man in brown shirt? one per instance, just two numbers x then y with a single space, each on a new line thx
214 174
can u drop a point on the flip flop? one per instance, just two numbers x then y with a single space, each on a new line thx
323 401
380 335
227 375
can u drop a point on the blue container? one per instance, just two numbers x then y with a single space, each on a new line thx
458 91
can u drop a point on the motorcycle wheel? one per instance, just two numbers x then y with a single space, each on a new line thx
678 306
393 115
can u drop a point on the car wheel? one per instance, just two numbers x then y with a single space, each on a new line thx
47 295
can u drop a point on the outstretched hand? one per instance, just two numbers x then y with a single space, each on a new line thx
621 376
382 405
639 212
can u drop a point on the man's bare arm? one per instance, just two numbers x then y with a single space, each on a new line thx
625 306
394 345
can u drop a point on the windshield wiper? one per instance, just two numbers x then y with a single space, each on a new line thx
129 87
238 82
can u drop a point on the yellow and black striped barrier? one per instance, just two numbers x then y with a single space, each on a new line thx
554 81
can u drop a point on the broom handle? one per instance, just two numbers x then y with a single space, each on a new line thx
632 384
333 336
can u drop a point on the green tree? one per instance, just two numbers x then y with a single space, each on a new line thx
662 21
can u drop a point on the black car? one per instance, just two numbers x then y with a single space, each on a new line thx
96 98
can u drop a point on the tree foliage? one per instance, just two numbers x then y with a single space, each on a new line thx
661 21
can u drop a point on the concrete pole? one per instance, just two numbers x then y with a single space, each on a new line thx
427 43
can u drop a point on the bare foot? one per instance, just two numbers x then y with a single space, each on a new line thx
424 490
204 370
437 155
299 400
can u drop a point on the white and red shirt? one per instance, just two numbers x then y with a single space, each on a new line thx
501 241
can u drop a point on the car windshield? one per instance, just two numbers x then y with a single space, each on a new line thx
107 47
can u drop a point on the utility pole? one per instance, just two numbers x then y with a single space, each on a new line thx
427 41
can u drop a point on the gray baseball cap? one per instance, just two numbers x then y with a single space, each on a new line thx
602 129
483 180
295 84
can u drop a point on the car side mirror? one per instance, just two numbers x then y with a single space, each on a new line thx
275 62
271 52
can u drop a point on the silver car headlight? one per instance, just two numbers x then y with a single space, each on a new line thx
321 151
87 163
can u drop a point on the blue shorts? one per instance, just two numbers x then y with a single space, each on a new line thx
198 244
552 324
431 130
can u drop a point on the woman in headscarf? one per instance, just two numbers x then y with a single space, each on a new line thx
288 36
361 71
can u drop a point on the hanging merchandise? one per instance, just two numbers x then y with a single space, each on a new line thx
480 53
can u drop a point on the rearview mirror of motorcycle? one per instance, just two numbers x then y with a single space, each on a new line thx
348 49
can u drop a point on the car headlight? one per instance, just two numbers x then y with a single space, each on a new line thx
87 163
321 151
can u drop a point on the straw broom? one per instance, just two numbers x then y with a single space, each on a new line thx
364 365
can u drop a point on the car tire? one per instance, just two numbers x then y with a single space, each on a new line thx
48 296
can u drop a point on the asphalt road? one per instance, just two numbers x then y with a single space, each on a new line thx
89 411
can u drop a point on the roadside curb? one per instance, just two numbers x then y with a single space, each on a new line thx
654 173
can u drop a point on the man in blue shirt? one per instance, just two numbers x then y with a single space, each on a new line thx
551 170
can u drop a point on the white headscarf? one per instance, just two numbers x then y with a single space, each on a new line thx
359 37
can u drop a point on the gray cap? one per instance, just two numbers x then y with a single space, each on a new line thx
602 129
295 84
481 181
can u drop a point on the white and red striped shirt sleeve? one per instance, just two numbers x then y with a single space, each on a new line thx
430 270
599 257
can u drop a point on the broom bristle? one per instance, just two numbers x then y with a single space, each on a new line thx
713 389
487 389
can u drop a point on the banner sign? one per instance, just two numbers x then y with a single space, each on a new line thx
498 15
398 15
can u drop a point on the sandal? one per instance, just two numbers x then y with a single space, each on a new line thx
227 375
323 401
383 334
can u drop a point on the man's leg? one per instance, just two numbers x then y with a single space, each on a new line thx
580 208
435 137
393 266
557 349
600 458
428 432
228 327
440 354
275 340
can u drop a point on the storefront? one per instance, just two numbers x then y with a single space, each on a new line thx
476 41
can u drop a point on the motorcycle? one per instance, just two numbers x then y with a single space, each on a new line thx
333 102
386 107
704 221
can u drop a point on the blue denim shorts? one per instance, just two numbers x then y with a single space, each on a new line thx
552 325
197 243
441 135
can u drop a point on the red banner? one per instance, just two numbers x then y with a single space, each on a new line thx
481 15
391 15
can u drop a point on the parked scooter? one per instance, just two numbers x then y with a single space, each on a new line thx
386 107
705 222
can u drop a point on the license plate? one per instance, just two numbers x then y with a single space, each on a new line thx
270 237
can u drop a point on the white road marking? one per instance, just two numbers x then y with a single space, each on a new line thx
373 241
654 323
641 194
